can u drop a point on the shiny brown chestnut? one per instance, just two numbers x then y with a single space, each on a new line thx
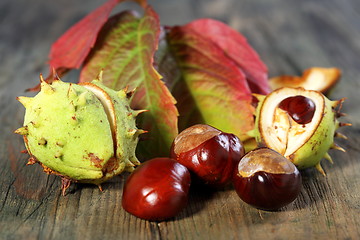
300 108
209 154
157 190
266 180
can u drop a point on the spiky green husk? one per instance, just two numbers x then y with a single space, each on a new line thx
126 132
317 145
311 153
68 131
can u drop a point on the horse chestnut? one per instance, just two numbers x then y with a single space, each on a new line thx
266 180
157 189
300 108
210 154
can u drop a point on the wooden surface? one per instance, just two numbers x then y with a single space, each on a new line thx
290 36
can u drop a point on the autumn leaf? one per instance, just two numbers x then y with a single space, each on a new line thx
236 47
212 89
71 49
125 52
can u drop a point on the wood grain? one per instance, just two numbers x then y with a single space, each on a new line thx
289 35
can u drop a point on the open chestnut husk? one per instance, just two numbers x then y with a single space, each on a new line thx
157 190
210 154
266 180
315 78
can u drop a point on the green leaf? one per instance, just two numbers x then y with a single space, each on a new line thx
125 51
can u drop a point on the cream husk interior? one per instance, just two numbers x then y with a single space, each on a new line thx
315 80
279 130
107 104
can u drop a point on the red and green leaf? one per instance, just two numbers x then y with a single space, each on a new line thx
125 52
71 49
213 89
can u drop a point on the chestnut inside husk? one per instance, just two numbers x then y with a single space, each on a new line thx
300 108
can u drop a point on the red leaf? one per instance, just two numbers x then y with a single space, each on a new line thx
71 49
73 46
237 48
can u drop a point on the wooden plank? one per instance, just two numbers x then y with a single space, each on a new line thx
289 35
